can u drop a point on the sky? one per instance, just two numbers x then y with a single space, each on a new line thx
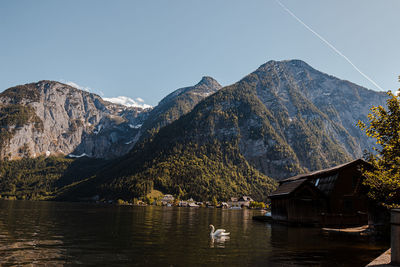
147 49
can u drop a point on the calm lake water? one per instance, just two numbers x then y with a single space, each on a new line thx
85 234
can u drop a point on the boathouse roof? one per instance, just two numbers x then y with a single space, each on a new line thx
324 179
324 172
287 188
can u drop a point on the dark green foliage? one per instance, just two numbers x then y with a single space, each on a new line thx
201 172
187 171
43 178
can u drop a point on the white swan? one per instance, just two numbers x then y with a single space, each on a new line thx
218 232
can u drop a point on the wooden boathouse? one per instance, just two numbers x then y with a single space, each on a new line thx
333 196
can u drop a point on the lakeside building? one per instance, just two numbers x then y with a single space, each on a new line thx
167 199
224 205
333 196
241 202
188 203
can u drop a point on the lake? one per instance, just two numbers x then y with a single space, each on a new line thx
87 234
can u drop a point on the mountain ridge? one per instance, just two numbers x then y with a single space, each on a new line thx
283 114
282 119
82 123
271 123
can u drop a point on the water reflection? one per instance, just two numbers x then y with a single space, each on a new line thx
74 233
24 243
219 242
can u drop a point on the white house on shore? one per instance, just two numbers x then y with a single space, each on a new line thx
237 203
167 199
188 203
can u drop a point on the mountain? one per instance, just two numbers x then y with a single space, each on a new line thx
314 114
178 103
203 141
52 118
41 122
144 122
283 119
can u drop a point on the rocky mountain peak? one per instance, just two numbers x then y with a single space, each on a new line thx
178 103
289 71
209 81
280 77
204 87
289 64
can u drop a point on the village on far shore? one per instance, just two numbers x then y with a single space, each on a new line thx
156 198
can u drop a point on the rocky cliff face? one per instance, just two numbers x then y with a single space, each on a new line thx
314 114
61 119
54 118
343 102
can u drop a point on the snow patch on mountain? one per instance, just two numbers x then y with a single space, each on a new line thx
78 156
128 102
98 129
135 126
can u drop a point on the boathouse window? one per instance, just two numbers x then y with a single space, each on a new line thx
317 182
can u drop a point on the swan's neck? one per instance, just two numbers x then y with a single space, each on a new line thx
212 229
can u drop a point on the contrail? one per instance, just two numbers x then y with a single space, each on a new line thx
329 44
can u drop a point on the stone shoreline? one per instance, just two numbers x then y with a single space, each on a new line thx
382 261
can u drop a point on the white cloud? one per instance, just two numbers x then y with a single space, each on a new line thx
128 102
77 86
83 88
121 100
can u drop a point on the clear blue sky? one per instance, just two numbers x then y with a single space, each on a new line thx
149 48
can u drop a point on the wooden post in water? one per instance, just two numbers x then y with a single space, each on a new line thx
395 236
